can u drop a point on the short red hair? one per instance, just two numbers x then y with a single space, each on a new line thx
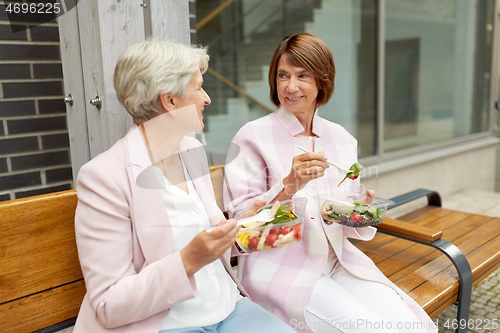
310 52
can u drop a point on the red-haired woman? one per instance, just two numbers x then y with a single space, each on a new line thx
322 283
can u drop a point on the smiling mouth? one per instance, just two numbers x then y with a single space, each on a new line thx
294 98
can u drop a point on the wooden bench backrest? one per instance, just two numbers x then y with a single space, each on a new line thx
41 282
217 177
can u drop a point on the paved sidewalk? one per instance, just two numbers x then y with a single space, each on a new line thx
484 310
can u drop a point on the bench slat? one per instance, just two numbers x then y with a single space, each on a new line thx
459 225
41 310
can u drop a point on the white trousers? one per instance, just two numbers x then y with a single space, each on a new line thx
344 303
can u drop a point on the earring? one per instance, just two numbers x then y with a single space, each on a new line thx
174 113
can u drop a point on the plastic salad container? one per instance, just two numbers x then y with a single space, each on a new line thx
345 208
284 230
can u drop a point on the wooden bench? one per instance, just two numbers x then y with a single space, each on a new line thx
436 255
42 285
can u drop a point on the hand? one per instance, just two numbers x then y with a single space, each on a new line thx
207 247
252 209
305 168
370 194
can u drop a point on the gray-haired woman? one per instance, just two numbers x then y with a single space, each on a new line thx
152 243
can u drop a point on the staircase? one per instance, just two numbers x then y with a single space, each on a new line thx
248 32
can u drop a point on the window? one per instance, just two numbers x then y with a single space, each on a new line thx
436 72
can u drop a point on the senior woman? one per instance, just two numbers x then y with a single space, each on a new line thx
154 251
322 283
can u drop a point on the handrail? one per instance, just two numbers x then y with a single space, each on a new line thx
213 13
239 20
238 89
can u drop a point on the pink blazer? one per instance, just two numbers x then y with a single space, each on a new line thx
124 240
280 280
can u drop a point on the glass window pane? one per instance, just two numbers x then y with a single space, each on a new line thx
243 38
437 70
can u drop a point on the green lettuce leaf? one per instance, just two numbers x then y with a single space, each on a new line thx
356 169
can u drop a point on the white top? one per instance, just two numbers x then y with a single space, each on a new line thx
216 293
332 257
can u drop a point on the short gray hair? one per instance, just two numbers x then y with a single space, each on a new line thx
148 69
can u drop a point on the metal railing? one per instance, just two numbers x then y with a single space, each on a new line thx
238 89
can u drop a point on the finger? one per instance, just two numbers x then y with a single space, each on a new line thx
317 167
305 172
251 211
370 194
311 156
235 229
226 241
257 203
221 228
320 163
229 234
312 171
313 166
223 248
318 175
232 234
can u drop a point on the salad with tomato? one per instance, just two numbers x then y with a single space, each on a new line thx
361 216
346 209
284 230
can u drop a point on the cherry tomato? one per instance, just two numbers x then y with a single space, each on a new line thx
275 231
253 242
354 177
355 217
285 230
298 231
271 238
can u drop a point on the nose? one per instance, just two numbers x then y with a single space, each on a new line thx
292 85
207 98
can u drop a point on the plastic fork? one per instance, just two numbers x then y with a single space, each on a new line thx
263 216
341 170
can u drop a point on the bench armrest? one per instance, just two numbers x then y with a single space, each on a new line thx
410 230
433 197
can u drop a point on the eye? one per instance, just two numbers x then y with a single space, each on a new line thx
282 75
304 76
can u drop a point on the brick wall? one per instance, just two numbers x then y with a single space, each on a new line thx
34 144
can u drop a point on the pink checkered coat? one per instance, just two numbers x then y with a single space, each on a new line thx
280 280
